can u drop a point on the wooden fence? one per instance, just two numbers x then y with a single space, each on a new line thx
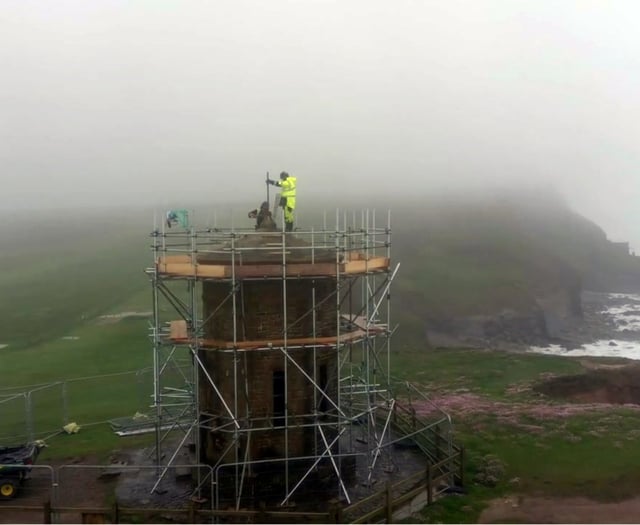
378 507
192 514
444 469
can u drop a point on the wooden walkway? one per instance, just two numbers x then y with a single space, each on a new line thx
187 266
178 334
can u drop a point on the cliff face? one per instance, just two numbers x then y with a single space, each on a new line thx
501 271
552 313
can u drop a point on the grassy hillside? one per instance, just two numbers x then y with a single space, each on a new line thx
60 270
60 273
469 256
459 256
543 446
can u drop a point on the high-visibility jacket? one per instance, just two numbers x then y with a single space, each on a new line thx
288 186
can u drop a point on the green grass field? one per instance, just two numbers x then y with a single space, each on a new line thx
56 277
60 274
484 372
59 278
594 453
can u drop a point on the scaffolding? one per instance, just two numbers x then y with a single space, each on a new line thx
332 404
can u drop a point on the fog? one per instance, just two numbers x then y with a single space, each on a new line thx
160 102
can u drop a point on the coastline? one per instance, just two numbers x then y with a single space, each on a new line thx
610 327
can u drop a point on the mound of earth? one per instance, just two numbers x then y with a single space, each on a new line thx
619 385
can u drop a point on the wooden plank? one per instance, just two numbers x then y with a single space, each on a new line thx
250 513
388 504
182 266
444 461
399 485
357 267
177 511
409 495
26 508
190 270
204 270
248 345
369 517
172 259
178 329
360 321
147 511
357 320
442 477
358 504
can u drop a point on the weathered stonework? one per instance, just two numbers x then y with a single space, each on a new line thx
260 309
260 317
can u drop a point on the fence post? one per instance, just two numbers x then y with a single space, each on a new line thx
262 512
388 503
65 403
429 487
47 512
462 466
192 511
116 513
28 407
335 511
438 438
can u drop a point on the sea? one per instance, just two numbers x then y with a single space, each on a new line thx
623 312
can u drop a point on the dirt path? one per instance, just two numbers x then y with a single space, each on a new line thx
531 509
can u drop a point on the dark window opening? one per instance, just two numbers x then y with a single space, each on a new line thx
278 398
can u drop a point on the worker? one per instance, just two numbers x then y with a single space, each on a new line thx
264 220
287 197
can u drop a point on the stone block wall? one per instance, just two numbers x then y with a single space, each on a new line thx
256 403
260 309
251 389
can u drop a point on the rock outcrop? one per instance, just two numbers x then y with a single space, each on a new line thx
505 271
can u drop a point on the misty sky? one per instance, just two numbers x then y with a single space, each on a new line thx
158 101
